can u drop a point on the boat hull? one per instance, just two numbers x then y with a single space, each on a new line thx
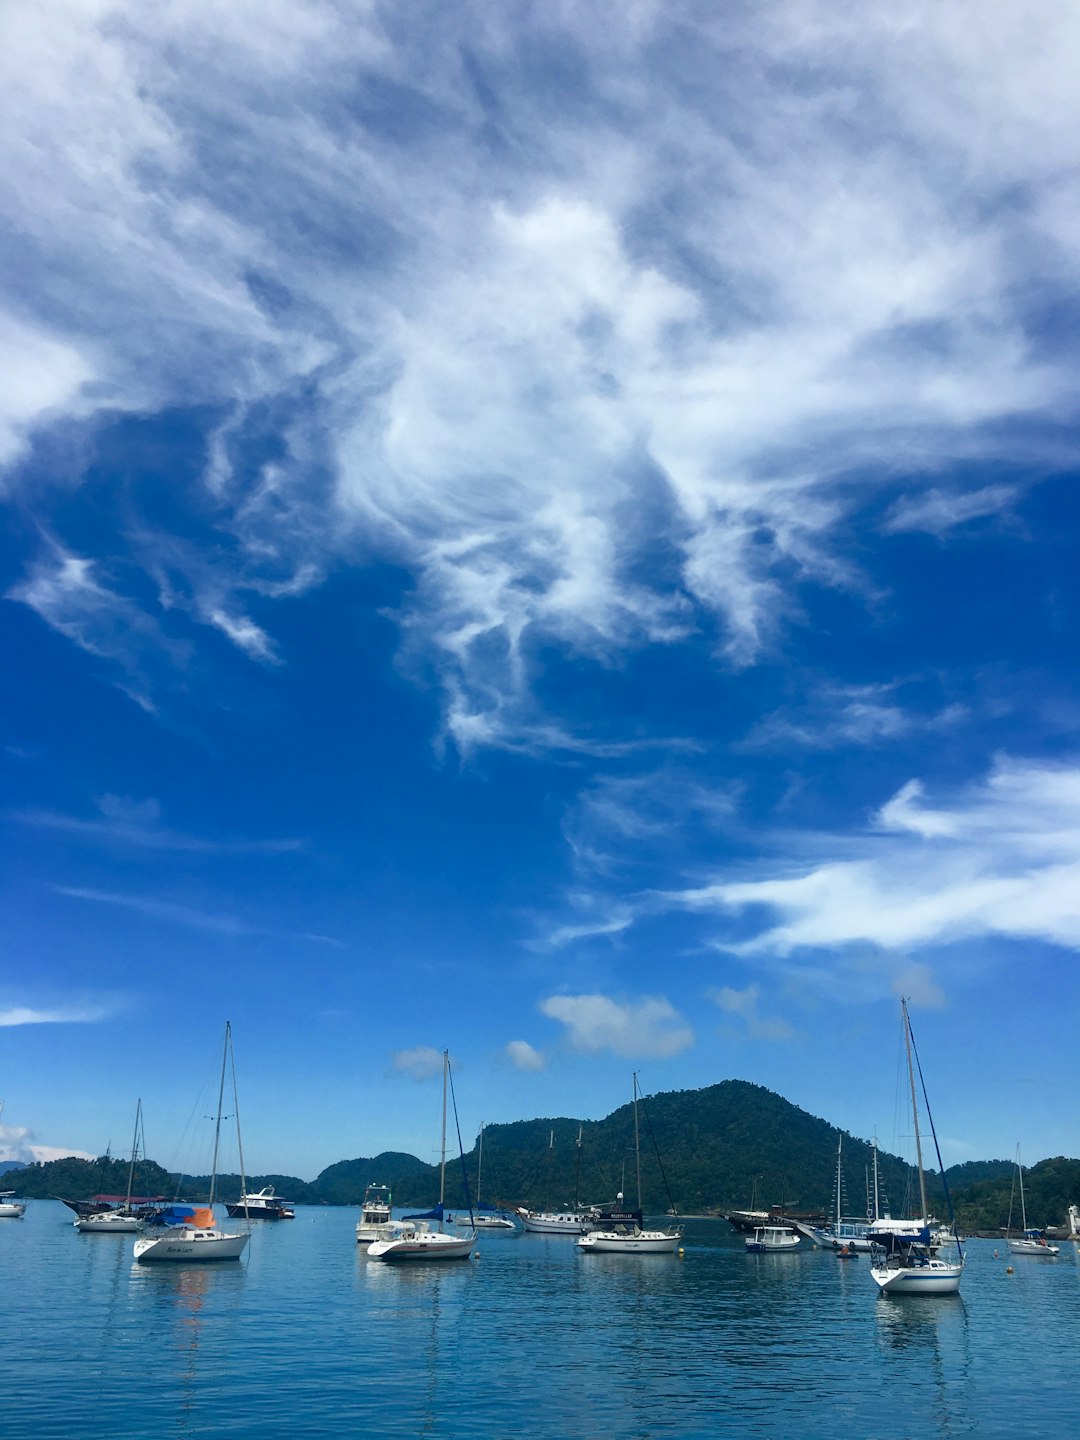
259 1212
11 1211
567 1224
422 1247
198 1245
1037 1248
932 1277
108 1222
646 1242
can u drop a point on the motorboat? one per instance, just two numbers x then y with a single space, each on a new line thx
260 1205
10 1208
374 1215
557 1222
771 1239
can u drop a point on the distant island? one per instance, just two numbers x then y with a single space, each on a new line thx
725 1147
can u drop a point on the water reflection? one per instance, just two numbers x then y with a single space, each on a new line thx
930 1333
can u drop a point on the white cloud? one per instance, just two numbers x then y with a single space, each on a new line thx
634 1029
128 821
745 1005
1001 857
523 1056
83 1014
511 370
938 511
422 1062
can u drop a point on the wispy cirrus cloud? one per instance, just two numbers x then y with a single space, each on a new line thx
521 372
81 1014
191 917
938 511
636 1029
130 821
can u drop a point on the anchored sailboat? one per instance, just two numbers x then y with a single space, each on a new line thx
413 1238
909 1265
622 1232
187 1232
1031 1241
124 1218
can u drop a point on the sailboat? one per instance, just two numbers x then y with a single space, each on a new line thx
909 1265
483 1217
10 1208
1031 1242
413 1238
188 1232
574 1220
123 1219
623 1232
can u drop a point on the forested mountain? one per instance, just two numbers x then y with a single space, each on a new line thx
721 1148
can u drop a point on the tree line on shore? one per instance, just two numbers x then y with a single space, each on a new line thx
729 1146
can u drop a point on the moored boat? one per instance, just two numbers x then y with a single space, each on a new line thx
772 1239
375 1215
10 1207
909 1265
1030 1241
189 1232
412 1238
622 1232
260 1205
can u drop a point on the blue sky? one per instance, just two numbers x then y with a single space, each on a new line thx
546 531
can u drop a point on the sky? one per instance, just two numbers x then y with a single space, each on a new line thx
545 531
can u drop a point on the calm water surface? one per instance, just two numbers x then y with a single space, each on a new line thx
306 1337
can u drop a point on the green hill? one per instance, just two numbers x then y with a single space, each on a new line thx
722 1147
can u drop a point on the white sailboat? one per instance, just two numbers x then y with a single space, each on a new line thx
622 1232
188 1232
907 1265
413 1237
10 1208
576 1219
123 1219
1030 1241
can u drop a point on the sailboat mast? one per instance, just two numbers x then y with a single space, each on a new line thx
134 1151
637 1144
914 1111
479 1163
442 1160
239 1141
1023 1207
217 1124
577 1171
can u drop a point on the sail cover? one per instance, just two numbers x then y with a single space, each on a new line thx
201 1216
435 1213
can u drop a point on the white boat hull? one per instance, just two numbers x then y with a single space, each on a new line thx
568 1224
11 1211
1038 1248
108 1222
423 1245
186 1244
643 1242
928 1277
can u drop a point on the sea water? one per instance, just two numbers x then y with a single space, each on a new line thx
307 1337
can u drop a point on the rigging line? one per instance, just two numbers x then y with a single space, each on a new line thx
656 1151
461 1148
933 1132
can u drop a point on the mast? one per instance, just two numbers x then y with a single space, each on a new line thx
637 1144
839 1161
134 1150
577 1171
442 1160
479 1163
239 1142
914 1111
1023 1207
220 1098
